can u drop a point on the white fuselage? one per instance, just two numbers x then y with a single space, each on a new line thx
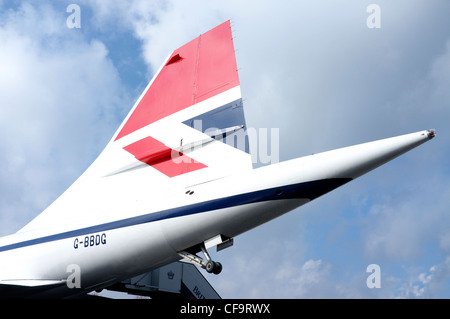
99 254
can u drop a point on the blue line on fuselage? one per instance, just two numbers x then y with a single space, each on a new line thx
310 190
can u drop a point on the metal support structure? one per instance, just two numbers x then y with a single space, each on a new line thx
178 280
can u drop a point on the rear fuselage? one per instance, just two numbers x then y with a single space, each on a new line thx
95 256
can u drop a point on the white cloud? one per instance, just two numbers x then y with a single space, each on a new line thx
162 26
428 284
307 281
277 268
60 95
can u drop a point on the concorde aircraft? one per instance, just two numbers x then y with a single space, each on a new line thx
174 180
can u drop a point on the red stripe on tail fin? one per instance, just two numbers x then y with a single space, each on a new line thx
198 70
163 158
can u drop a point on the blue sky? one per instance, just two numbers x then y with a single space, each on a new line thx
313 70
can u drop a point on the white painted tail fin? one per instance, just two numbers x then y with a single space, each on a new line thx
187 127
192 102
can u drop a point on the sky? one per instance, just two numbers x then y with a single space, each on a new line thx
326 74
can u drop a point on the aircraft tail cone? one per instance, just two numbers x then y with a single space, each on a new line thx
431 134
354 161
345 163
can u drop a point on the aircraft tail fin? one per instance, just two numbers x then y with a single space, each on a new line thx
193 101
187 128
